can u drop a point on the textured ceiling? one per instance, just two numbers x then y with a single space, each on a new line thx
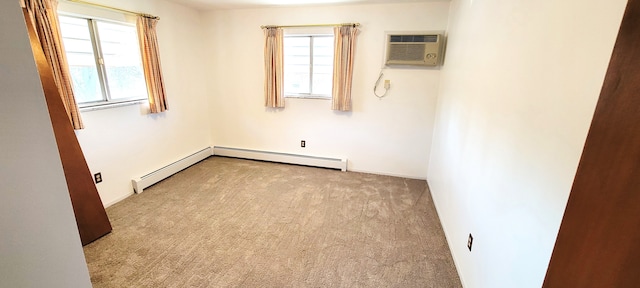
235 4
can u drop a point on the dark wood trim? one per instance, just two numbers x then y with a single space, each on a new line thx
599 240
91 216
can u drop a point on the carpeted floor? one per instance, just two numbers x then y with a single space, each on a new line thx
238 223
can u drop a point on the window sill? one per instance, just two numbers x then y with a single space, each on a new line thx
308 97
103 106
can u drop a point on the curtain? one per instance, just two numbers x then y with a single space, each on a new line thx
344 50
45 21
273 67
146 26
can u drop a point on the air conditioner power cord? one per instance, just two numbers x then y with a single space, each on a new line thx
376 87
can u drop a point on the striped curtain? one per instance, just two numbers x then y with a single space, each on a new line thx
45 20
344 50
273 67
146 26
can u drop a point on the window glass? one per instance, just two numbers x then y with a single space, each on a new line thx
104 60
296 65
119 44
76 38
308 65
322 65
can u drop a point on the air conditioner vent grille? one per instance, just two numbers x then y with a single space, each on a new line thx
406 52
414 38
414 49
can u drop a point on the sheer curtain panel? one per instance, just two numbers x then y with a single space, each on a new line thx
273 67
344 50
146 26
44 16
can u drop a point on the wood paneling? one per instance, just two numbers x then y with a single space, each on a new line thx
91 217
599 240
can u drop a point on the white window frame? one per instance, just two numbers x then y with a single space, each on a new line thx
308 95
107 99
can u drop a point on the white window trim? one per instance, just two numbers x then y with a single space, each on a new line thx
308 96
113 104
306 32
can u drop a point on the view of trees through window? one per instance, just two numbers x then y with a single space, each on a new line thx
104 60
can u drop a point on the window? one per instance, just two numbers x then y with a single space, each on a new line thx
308 66
104 61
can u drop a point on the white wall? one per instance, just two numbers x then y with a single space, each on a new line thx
127 142
388 136
518 91
39 241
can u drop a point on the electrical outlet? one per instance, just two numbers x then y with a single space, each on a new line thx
470 242
97 177
303 143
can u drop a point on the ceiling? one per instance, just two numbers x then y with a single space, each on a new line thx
237 4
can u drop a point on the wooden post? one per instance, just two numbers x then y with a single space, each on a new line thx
91 217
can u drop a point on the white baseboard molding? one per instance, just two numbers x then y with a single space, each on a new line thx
325 162
140 183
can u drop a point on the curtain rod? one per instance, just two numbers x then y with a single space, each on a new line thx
310 25
114 8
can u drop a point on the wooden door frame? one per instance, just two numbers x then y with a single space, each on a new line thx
598 244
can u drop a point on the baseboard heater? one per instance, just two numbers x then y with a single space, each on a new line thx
333 163
139 184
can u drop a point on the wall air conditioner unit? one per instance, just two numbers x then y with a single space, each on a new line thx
414 49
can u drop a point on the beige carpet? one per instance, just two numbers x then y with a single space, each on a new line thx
239 223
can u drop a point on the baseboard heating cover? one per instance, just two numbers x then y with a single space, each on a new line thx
333 163
139 184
